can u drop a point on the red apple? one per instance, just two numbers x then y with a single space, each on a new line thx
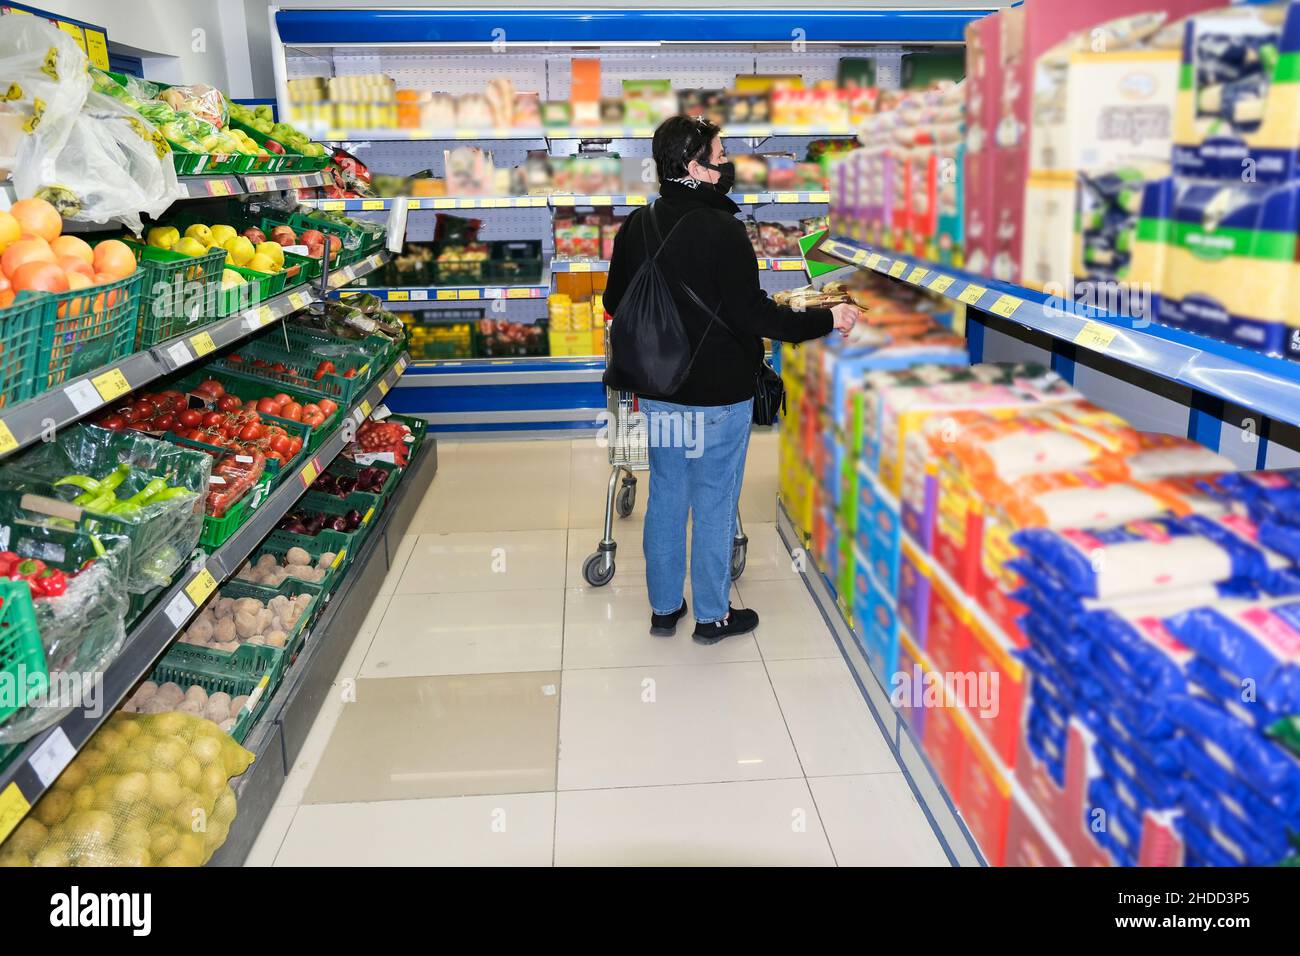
254 235
284 236
312 237
336 244
274 147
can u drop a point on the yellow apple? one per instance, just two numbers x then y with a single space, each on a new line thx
221 233
189 246
261 263
163 237
230 278
238 250
200 232
273 251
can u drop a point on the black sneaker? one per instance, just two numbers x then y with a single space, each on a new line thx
665 625
738 621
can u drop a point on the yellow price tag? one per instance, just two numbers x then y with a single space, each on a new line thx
517 293
941 283
13 807
564 200
762 263
111 384
74 31
787 197
309 473
398 295
971 294
370 513
789 265
1005 306
265 315
365 408
201 587
898 268
333 204
372 204
338 558
7 441
1096 336
220 187
365 368
860 258
383 386
97 48
535 201
445 294
444 204
749 198
299 300
636 200
819 197
467 203
917 275
602 200
202 343
579 266
875 260
469 294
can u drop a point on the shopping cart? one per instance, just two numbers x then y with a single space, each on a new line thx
629 452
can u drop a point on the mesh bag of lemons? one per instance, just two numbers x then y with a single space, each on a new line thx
146 790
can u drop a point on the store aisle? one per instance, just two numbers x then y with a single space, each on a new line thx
495 709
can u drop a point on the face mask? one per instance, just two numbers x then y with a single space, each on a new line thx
726 177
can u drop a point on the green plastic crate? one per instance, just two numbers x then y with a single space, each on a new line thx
214 680
87 328
246 386
179 294
309 269
315 547
22 656
301 371
250 662
256 288
379 350
187 163
217 531
345 466
277 470
20 346
356 243
281 162
419 428
329 505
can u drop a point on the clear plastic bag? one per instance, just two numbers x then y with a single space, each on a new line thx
81 629
90 155
199 99
162 534
146 790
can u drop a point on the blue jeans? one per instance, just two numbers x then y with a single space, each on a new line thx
697 462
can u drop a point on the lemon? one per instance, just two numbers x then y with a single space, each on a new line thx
200 232
260 263
189 246
230 278
163 237
273 251
238 250
221 233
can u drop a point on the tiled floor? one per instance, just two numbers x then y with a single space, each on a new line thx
497 710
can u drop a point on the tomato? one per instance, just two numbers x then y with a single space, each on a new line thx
252 415
268 406
281 445
190 417
164 423
328 407
114 423
172 396
211 387
272 430
260 363
292 411
229 403
213 419
274 455
143 409
278 367
350 373
235 358
139 426
282 399
295 445
314 419
250 433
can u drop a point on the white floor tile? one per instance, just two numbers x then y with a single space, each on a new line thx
874 820
766 558
508 830
644 726
404 551
754 823
834 731
610 627
425 634
300 774
271 837
485 561
629 559
790 627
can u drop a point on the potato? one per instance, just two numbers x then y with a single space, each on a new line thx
276 638
147 689
225 607
229 647
248 606
238 703
326 559
297 556
220 699
228 724
216 712
225 631
193 707
196 692
171 691
267 561
247 624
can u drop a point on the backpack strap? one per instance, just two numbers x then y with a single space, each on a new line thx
653 219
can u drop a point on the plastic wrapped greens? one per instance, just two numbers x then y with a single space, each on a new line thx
79 611
146 790
123 483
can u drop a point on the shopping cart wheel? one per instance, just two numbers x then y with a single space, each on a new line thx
626 497
738 550
596 572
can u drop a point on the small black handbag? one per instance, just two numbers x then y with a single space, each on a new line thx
769 390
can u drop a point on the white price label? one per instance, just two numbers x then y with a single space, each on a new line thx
252 321
84 397
216 480
244 459
358 416
380 413
370 459
54 753
179 610
419 295
179 354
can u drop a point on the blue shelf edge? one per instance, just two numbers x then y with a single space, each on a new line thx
1251 380
407 27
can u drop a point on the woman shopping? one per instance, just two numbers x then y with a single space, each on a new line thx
699 433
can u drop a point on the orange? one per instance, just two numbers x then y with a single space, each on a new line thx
22 251
10 230
75 264
73 246
38 217
6 298
115 259
40 276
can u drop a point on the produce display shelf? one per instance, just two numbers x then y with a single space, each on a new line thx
433 295
554 201
949 827
1248 379
341 277
33 766
579 265
231 184
742 131
781 263
278 736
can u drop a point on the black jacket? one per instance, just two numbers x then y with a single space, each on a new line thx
710 253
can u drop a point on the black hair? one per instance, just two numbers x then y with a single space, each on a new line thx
680 139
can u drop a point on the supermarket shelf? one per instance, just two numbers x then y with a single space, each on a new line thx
737 131
433 295
229 184
24 423
579 265
278 737
269 182
781 264
949 828
553 201
1262 383
341 277
36 763
203 187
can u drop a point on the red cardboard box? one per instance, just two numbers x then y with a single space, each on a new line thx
958 527
947 641
990 654
1027 842
984 796
944 745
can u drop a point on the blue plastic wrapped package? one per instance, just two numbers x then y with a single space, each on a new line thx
1151 786
1260 642
1230 692
1202 849
1240 819
1163 755
1118 830
1266 494
1151 555
1238 752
